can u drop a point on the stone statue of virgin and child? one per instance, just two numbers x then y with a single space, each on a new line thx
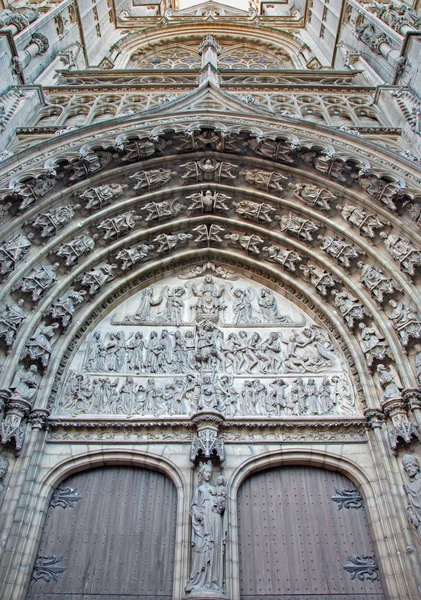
208 536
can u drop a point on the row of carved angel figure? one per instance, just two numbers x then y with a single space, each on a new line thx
207 347
289 151
185 395
95 198
245 306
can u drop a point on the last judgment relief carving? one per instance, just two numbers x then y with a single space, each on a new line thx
207 339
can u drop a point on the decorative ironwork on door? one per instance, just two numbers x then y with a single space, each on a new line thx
303 534
111 534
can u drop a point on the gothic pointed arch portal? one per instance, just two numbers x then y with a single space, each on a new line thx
210 258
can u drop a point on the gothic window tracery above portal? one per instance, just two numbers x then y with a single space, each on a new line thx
208 339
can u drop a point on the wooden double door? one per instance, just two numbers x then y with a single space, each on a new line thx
109 535
304 535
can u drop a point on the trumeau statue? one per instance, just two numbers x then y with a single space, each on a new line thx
208 536
208 339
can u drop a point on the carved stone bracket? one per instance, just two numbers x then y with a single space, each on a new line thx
402 430
374 416
206 442
12 429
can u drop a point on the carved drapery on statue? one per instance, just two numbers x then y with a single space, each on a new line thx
207 339
208 536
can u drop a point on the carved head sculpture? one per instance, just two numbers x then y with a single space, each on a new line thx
205 471
4 465
410 465
220 480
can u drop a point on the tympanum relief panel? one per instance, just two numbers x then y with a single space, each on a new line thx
207 340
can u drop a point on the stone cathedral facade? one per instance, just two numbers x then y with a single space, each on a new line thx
210 318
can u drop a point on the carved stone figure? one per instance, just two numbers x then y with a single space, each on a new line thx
88 163
295 225
266 180
209 353
366 223
406 321
208 201
71 251
146 311
152 179
389 382
50 222
210 304
373 278
281 150
350 308
208 169
168 242
95 359
136 148
128 257
37 283
287 258
29 191
402 252
65 307
242 307
162 210
256 211
250 243
322 280
340 249
269 308
12 251
39 346
116 226
418 363
208 233
11 319
207 510
99 197
413 490
4 467
96 278
316 197
381 190
373 345
26 383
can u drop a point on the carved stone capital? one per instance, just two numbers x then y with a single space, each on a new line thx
412 398
18 406
393 407
38 418
374 416
41 41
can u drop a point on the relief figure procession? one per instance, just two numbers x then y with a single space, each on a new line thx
207 344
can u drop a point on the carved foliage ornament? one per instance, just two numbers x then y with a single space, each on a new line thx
48 568
363 568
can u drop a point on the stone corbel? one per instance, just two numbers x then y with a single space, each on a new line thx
207 443
11 428
402 430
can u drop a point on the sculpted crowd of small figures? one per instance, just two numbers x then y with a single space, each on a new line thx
207 347
184 395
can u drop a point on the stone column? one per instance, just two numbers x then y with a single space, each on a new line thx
394 502
13 21
38 45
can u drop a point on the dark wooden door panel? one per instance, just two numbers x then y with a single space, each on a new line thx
295 540
117 541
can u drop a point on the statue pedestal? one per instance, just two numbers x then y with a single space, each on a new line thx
206 595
